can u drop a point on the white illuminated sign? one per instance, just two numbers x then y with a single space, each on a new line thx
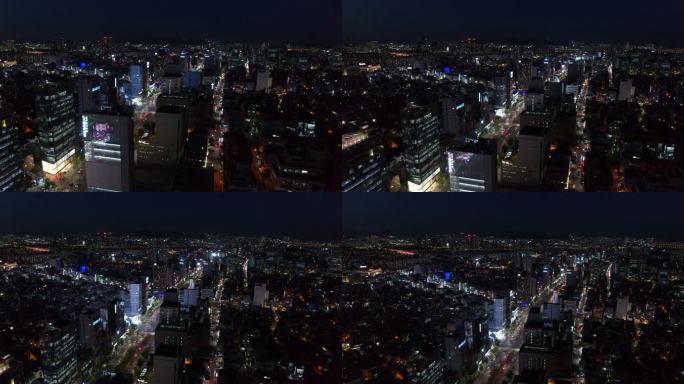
84 126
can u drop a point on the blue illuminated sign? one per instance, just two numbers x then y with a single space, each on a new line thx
447 275
447 70
83 65
83 269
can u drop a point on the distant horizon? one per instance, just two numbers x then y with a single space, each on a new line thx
345 42
507 235
533 41
345 236
305 20
339 21
162 234
610 20
314 216
591 215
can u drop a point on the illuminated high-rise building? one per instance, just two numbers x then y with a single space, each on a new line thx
58 354
137 299
420 132
108 151
116 310
534 98
171 130
501 315
56 114
472 167
528 166
10 169
135 72
502 90
363 169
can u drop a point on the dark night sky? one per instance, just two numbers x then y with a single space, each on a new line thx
306 216
307 21
325 21
658 215
592 20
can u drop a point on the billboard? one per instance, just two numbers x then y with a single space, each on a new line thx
102 132
101 129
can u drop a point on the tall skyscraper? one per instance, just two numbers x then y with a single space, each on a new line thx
420 132
452 122
135 72
116 309
501 312
528 165
534 98
472 167
88 90
108 151
502 90
10 167
58 353
172 329
166 144
56 114
363 163
137 299
89 322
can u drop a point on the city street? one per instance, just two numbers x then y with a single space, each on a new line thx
579 151
218 131
504 357
506 128
577 336
216 362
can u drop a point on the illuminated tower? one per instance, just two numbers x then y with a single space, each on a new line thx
136 75
472 167
420 132
56 115
108 151
10 171
363 162
58 353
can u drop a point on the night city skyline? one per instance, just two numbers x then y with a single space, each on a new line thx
456 287
342 96
224 192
